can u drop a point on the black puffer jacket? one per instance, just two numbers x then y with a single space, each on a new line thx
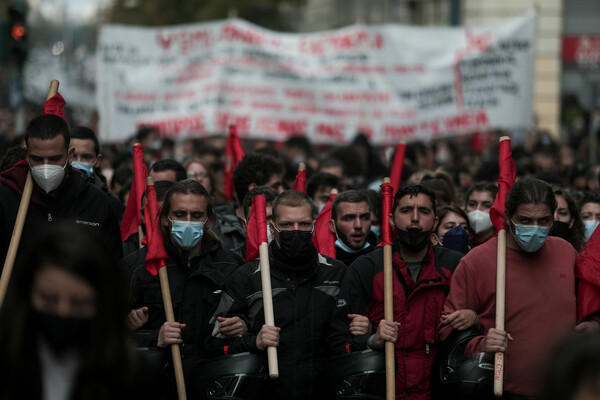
195 291
303 309
77 201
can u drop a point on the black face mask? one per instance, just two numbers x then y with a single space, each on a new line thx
296 247
560 229
62 333
413 240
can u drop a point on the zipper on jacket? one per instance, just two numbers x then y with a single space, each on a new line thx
49 217
426 349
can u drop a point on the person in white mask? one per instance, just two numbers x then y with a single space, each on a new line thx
480 198
59 193
589 206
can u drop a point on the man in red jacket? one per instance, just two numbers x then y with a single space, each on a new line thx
421 281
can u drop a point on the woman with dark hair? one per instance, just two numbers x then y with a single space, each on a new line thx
567 220
201 172
452 230
62 333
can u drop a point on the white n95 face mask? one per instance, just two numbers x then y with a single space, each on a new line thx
47 176
480 221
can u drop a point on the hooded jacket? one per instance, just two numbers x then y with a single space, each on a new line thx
76 200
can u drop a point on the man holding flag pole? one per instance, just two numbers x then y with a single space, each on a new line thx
305 287
521 327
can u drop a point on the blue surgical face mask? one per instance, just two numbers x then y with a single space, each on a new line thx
88 168
456 239
340 244
530 237
590 227
187 234
320 208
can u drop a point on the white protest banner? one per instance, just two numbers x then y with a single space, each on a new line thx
392 82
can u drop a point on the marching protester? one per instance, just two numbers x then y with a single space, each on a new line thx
270 195
540 287
203 173
351 223
167 170
589 207
198 267
86 157
567 220
478 201
452 230
305 287
422 275
253 170
60 192
61 324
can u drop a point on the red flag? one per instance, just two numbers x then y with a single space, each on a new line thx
588 273
157 256
300 182
324 239
256 232
386 210
132 216
507 173
233 154
54 105
396 172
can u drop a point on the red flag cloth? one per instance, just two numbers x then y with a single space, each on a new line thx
233 154
132 216
256 232
386 210
157 256
54 105
324 239
507 173
588 273
396 172
300 182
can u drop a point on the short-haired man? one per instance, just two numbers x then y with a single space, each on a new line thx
305 288
421 276
318 188
198 267
86 157
351 224
60 192
478 202
253 170
167 170
540 290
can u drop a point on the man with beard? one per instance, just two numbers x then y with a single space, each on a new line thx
351 224
305 287
421 282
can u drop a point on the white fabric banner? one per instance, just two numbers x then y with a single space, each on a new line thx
392 82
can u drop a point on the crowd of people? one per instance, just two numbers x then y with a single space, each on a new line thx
80 295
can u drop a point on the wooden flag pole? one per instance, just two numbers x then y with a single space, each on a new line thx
500 304
388 313
20 221
265 277
168 304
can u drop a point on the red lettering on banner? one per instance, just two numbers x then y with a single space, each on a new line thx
235 33
185 39
334 131
395 132
299 94
275 126
338 42
263 105
242 122
466 121
173 127
132 96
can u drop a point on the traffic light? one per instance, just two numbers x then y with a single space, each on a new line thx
17 32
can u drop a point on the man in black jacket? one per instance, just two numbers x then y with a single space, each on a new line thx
305 287
197 267
351 224
60 193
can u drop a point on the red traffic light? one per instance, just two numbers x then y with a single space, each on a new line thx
18 32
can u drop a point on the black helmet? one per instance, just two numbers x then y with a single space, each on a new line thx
353 376
232 377
453 378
